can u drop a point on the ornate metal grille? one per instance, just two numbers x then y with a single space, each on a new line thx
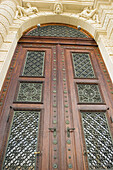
30 92
98 140
89 93
82 65
22 141
57 31
34 64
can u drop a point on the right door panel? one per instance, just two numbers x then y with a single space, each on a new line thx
89 103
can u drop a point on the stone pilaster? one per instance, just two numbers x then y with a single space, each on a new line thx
105 41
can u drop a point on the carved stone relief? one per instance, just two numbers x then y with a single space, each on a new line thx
58 8
25 11
89 13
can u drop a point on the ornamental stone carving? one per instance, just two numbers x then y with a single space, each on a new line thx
2 31
89 13
7 12
58 8
4 13
4 21
25 11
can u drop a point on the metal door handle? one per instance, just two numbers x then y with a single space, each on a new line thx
111 119
69 130
53 130
38 153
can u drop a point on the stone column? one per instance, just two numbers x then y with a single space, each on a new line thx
7 13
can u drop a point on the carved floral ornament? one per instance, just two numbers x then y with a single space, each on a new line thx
87 13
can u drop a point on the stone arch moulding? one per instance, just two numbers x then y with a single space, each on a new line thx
19 26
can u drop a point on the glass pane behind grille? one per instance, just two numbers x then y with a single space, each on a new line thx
98 140
30 92
34 64
82 65
89 93
57 31
22 141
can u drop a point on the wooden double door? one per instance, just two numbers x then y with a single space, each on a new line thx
57 113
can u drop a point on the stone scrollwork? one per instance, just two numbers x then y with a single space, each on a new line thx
58 8
89 13
25 11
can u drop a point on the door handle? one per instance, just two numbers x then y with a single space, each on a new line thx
38 153
69 130
53 130
111 119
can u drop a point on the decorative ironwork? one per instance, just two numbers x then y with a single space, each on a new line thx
82 65
89 93
30 92
57 31
22 141
34 64
98 140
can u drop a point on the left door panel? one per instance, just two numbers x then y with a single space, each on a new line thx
25 109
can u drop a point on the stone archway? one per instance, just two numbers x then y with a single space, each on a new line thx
19 26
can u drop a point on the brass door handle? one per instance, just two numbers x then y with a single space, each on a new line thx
38 153
69 130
